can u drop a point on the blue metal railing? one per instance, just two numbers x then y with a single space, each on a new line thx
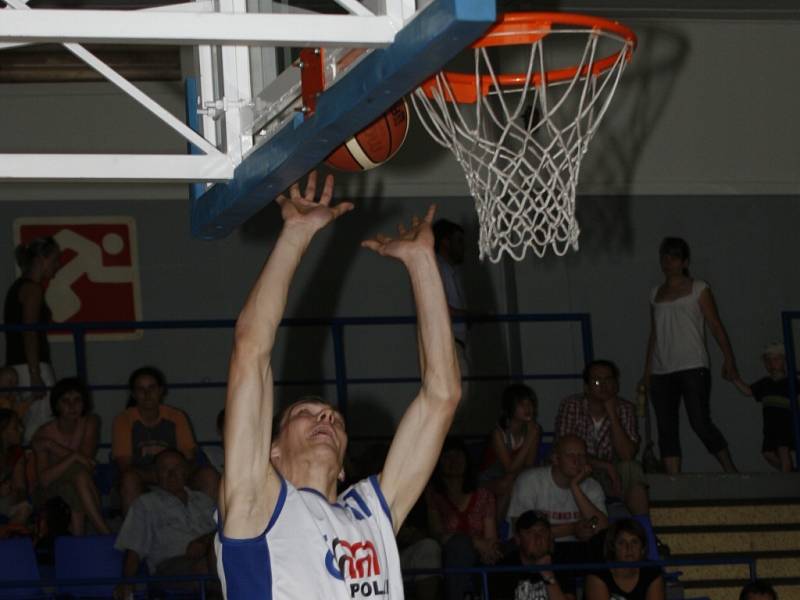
337 327
788 317
484 572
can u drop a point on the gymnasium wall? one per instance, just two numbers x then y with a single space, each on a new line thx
703 146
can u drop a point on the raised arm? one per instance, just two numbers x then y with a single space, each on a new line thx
250 485
418 441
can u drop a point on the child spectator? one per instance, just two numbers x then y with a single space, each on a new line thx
145 429
14 505
65 449
772 392
513 445
9 398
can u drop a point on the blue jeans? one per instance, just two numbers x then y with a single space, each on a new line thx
694 386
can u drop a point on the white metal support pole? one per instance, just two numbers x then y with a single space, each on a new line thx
236 90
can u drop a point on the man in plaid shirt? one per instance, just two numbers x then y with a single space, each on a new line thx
607 424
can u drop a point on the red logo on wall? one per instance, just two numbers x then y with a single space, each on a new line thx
99 275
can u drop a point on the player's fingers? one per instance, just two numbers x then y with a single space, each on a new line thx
342 208
430 214
311 187
294 191
415 221
327 191
281 199
383 239
373 245
401 229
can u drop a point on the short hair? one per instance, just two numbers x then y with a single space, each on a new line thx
608 364
70 384
170 451
675 246
759 586
631 526
25 254
511 397
442 230
530 518
562 440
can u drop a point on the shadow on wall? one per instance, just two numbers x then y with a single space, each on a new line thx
305 352
643 93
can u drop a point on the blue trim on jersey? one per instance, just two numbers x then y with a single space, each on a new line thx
246 563
373 479
248 573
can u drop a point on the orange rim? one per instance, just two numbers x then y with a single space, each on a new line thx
521 28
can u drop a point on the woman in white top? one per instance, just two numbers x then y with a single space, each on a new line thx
676 365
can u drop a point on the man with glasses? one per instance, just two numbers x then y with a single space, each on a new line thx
607 424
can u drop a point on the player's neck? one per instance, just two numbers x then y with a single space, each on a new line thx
311 474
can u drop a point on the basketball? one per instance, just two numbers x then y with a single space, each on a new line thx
375 144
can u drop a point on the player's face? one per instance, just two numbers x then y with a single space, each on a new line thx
570 458
775 364
628 547
535 541
315 425
70 405
602 383
147 392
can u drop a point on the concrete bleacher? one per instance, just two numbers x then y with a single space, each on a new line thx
705 515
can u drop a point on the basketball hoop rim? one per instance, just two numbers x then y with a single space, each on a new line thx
521 28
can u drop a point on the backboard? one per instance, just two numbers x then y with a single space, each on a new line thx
252 130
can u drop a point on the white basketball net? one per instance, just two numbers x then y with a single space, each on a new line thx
521 146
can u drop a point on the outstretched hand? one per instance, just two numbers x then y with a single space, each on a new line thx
304 210
408 240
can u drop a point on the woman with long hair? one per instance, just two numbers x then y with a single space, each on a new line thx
29 351
676 362
65 449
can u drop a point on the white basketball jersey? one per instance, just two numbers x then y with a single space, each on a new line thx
312 549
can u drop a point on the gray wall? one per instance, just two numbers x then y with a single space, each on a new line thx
702 144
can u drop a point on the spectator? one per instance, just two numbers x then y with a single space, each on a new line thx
29 351
514 443
419 550
572 501
144 430
14 505
534 547
626 541
676 362
772 392
462 517
65 449
10 398
607 425
758 590
171 528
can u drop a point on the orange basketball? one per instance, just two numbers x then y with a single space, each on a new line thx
375 144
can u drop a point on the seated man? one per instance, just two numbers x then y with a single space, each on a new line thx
534 546
146 428
572 501
171 527
607 424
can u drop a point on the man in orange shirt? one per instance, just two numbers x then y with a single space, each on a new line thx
146 428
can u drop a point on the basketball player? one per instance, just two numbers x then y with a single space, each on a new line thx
285 533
